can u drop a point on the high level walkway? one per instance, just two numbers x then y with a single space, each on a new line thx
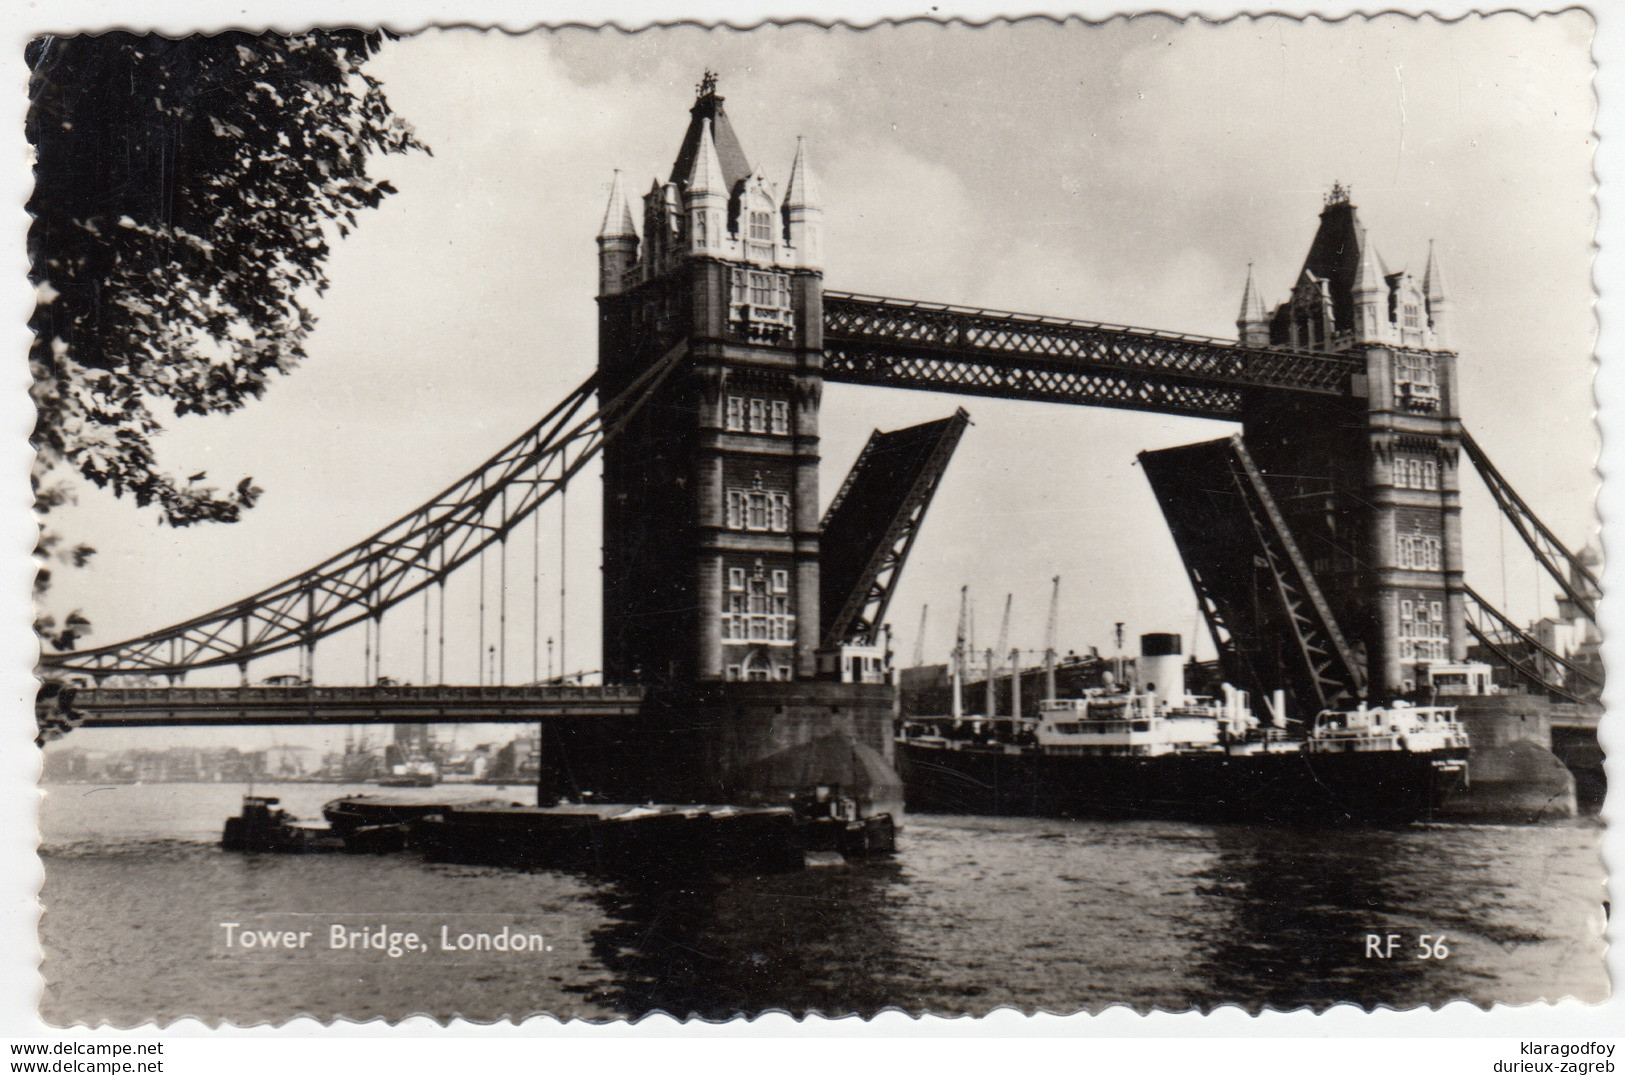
900 343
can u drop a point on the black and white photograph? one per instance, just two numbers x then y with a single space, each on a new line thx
1043 514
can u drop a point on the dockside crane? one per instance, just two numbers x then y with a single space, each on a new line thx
1049 639
970 639
996 655
919 639
958 661
1002 648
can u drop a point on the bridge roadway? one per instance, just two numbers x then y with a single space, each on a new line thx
1576 716
159 707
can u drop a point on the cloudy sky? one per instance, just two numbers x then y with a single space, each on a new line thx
1125 172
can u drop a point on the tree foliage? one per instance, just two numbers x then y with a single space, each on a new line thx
186 192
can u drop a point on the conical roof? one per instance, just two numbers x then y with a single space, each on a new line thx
1252 307
802 191
708 107
706 176
1334 256
1370 274
618 221
1433 279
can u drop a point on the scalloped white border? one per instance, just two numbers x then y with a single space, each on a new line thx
20 875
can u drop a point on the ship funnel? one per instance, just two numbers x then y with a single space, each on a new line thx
1162 670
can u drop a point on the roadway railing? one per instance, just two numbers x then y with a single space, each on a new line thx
183 705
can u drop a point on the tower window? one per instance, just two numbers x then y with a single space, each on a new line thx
1422 632
744 414
759 305
758 614
764 511
1415 472
1416 383
1418 552
761 227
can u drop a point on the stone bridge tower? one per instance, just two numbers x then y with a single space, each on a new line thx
711 507
1369 485
711 496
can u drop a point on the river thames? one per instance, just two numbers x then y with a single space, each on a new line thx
972 914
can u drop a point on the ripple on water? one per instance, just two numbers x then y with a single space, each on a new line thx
972 914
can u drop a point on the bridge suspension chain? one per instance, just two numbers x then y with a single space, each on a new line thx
377 573
1578 581
1522 651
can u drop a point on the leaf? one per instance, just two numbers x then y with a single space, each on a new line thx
181 191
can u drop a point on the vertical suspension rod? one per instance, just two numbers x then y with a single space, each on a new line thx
536 597
480 638
564 507
502 597
442 645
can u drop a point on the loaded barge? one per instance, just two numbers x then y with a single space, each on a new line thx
605 837
1149 753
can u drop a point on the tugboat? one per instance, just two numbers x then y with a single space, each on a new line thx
1131 753
413 774
827 820
264 827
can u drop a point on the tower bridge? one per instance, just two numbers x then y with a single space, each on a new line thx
1323 540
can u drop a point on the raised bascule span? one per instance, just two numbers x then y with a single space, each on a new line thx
1323 541
1271 625
871 524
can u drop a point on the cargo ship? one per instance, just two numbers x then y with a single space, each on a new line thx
1137 752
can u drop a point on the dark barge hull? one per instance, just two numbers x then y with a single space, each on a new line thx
672 841
352 812
1378 788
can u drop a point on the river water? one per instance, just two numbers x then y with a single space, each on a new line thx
973 913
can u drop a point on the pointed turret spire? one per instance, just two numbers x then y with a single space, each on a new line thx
802 191
705 197
706 177
617 242
1438 302
618 221
803 213
1369 289
1432 279
1252 307
1369 277
708 109
1252 323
